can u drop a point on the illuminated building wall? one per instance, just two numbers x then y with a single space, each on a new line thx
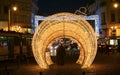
110 17
65 25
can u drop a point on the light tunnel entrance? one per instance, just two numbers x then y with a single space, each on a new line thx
72 50
64 25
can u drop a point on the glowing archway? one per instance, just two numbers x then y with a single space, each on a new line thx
64 25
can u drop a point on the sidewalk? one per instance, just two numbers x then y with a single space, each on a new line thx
103 65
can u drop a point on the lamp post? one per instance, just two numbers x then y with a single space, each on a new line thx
14 8
10 43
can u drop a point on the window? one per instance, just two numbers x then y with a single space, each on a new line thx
6 9
113 17
103 4
118 16
0 9
103 18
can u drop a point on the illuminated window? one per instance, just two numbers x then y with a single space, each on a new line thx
113 42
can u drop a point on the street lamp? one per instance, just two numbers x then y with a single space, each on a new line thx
14 8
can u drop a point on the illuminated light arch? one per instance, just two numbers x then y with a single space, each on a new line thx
64 25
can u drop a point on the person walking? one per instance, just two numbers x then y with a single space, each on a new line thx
60 54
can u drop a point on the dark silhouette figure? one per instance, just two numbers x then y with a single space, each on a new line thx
60 54
118 49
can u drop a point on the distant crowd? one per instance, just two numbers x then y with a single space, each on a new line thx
109 48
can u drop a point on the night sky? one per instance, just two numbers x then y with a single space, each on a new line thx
49 7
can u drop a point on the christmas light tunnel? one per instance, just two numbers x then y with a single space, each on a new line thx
62 25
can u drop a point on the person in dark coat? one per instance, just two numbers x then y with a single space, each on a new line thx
60 54
118 49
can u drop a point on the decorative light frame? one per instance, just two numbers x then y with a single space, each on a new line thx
75 27
91 17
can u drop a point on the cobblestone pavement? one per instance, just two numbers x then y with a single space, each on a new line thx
103 65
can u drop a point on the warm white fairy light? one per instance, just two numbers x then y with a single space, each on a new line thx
50 30
91 17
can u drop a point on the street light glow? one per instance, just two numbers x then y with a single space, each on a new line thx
14 8
115 5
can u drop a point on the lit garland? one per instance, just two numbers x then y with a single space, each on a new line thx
91 17
77 28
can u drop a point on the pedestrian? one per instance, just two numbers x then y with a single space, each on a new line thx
118 49
60 54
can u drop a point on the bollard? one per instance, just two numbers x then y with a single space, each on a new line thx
8 73
5 67
83 73
40 73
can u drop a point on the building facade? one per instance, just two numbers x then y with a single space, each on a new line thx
108 10
110 20
21 20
